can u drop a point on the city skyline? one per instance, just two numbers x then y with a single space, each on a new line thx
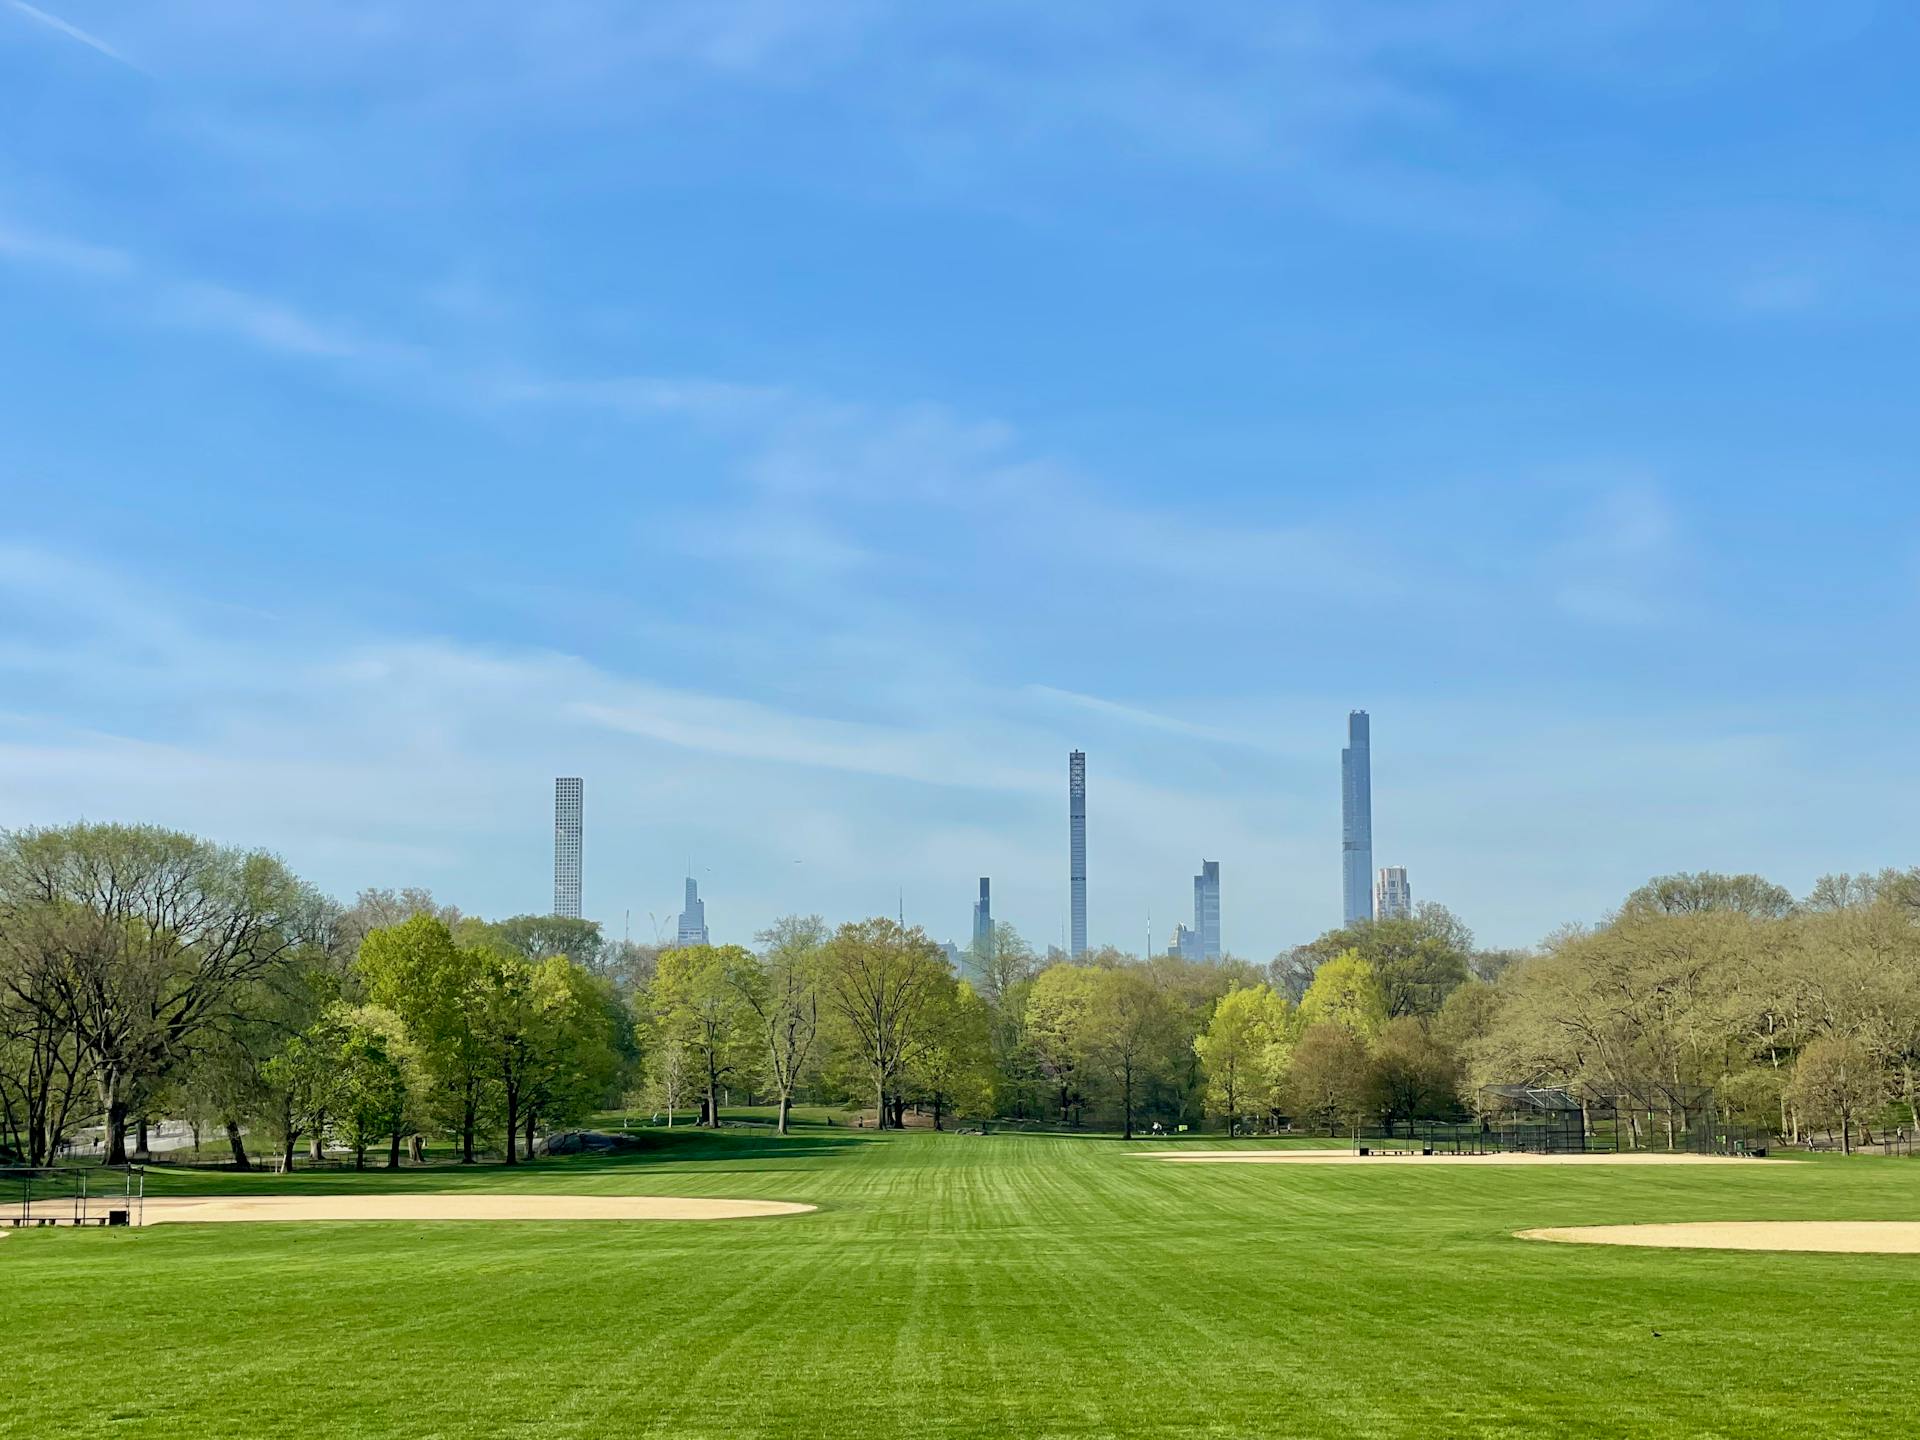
1604 543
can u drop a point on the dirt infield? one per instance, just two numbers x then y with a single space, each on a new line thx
1404 1159
196 1210
1838 1237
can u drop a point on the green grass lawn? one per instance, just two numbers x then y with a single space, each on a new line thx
1012 1285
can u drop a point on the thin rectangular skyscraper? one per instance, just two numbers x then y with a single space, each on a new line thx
1356 821
983 925
567 807
1077 852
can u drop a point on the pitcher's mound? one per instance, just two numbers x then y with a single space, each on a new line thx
195 1210
1849 1237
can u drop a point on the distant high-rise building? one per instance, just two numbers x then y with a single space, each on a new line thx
693 919
1356 821
983 924
1206 909
1392 900
1187 943
956 958
566 846
1077 853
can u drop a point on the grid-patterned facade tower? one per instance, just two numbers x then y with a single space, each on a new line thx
1077 852
1356 821
983 925
1392 897
1206 909
566 846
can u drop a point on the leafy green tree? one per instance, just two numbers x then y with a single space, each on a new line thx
1345 992
440 992
300 1083
1703 891
1838 1081
134 941
781 987
1411 1075
367 1083
1235 1050
1327 1079
1056 1019
880 981
1010 962
580 1041
696 1002
1417 960
540 937
953 1071
1130 1034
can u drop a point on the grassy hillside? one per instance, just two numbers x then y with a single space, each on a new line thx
1007 1285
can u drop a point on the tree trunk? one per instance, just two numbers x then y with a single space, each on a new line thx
1126 1104
532 1123
286 1154
513 1127
141 1151
240 1161
786 1103
359 1156
316 1151
416 1150
879 1099
393 1152
114 1107
469 1121
937 1097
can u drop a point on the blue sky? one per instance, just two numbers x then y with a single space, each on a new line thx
809 421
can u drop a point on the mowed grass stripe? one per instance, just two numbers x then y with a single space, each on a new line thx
999 1285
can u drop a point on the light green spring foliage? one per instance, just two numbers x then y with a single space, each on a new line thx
1346 993
1245 1050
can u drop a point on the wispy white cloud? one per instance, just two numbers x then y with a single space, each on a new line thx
1618 563
62 252
71 31
267 323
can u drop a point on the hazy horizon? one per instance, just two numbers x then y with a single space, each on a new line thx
808 424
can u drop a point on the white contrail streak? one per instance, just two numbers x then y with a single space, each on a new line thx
72 32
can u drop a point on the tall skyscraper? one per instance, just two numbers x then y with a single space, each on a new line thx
1356 821
566 846
1077 852
1206 909
693 919
983 924
1392 899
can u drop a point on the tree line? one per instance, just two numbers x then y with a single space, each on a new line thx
145 973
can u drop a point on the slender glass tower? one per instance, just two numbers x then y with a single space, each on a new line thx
566 846
1077 852
983 925
1206 908
1356 821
